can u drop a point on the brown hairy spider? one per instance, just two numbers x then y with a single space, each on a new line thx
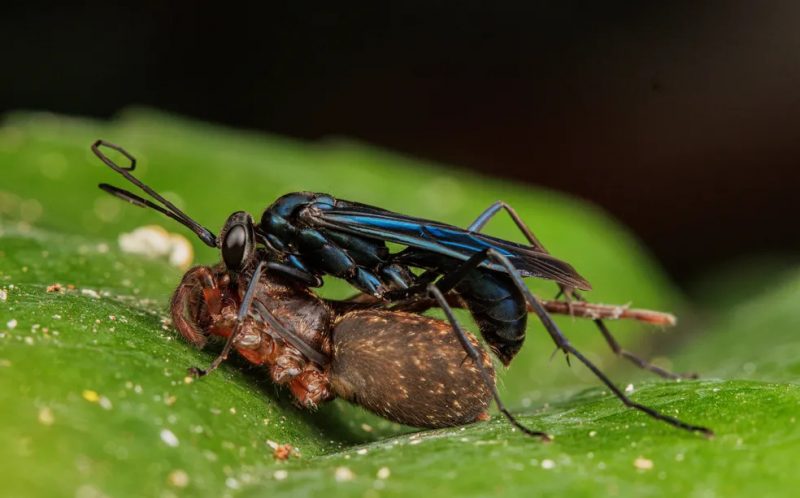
406 367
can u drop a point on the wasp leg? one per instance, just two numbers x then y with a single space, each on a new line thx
636 360
306 277
437 294
491 211
289 335
244 310
567 347
481 221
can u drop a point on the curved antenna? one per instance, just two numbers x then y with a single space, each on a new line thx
168 208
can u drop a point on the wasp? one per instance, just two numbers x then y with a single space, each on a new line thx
304 236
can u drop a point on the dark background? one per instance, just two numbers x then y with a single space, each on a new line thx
680 118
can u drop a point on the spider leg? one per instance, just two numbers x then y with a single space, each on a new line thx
244 310
204 277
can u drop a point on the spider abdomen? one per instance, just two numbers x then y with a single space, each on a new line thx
408 368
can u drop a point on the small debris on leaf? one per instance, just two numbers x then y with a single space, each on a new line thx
152 241
343 474
643 463
282 451
178 478
56 287
169 438
46 416
105 403
90 293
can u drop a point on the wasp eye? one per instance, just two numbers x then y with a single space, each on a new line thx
234 247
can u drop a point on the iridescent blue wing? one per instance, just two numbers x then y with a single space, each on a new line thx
439 238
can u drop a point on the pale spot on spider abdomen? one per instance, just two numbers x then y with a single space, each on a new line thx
408 368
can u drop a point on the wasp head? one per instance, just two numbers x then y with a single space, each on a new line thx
237 241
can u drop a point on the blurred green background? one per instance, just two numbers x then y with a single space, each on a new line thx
92 381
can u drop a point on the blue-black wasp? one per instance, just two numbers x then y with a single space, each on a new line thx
305 236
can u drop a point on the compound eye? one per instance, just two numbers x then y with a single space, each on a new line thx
234 247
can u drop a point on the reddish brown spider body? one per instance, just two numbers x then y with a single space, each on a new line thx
406 367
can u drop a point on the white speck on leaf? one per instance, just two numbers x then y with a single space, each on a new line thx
105 403
548 464
343 474
280 475
384 473
154 242
11 324
169 438
90 293
46 416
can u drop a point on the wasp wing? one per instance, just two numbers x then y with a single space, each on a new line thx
440 238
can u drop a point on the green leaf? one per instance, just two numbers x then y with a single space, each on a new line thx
92 383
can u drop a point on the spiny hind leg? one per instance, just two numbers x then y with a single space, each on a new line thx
481 221
563 343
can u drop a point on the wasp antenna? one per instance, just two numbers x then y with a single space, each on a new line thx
134 199
168 208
